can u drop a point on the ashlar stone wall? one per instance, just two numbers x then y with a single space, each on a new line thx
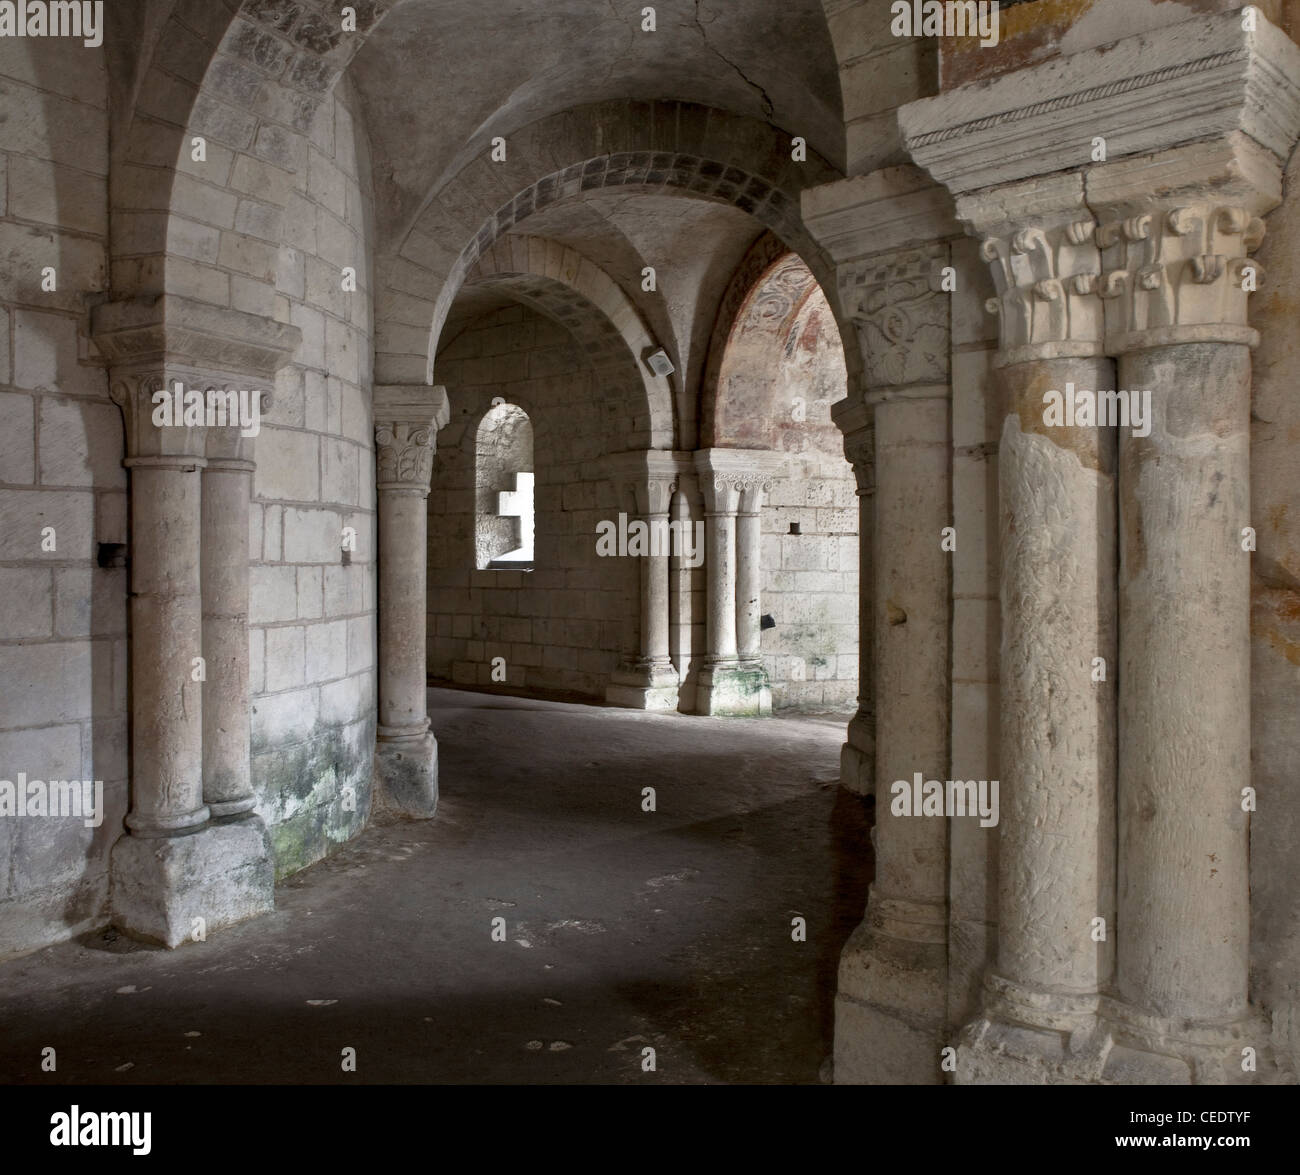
312 521
563 625
63 649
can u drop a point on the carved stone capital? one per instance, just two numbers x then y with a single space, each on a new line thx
1046 277
1179 274
902 314
134 393
407 420
1177 230
732 477
646 480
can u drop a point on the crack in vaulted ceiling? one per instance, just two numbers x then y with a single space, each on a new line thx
440 78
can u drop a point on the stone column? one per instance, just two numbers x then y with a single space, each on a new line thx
227 490
1177 276
184 867
733 680
887 233
407 419
685 566
166 617
1056 860
858 755
1196 118
648 679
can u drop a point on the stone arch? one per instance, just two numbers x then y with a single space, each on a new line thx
780 368
566 286
674 147
248 77
762 255
783 331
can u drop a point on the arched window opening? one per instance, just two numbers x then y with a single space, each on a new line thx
504 487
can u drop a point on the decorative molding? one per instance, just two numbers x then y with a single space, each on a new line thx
1199 79
169 329
881 212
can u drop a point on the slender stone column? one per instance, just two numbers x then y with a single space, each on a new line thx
178 871
648 680
887 233
749 583
722 500
1177 279
166 634
684 514
733 680
407 420
227 490
858 755
1057 539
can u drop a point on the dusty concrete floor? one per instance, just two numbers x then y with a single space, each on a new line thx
625 928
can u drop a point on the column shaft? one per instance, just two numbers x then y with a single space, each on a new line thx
858 755
1185 684
749 539
227 785
166 637
644 483
912 636
720 529
403 547
1056 854
654 596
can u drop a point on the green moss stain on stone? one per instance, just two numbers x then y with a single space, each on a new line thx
305 792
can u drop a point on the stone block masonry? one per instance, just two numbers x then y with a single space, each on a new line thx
312 602
563 625
63 625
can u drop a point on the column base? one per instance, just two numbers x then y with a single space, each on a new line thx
858 759
734 689
406 772
222 874
1115 1046
993 1052
644 685
1144 1047
890 1010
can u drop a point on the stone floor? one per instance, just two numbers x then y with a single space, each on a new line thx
625 929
